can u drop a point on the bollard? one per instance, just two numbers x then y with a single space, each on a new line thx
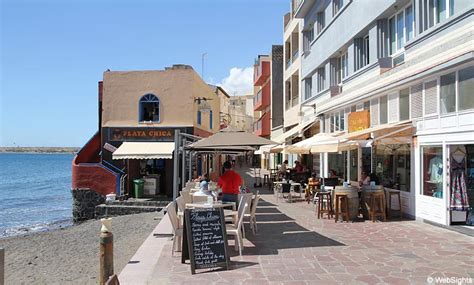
2 266
106 251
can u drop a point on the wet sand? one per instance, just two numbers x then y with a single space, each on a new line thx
71 255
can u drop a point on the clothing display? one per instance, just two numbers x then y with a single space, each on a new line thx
459 199
435 170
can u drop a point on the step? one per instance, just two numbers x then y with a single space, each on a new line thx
104 210
139 202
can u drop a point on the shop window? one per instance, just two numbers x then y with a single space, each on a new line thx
432 171
404 104
337 163
353 161
392 166
466 88
383 110
448 93
149 108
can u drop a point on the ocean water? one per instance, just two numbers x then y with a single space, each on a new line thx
35 192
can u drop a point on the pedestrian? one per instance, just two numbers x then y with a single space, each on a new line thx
230 182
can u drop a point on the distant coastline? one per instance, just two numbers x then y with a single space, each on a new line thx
39 149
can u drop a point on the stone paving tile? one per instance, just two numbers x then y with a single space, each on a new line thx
293 247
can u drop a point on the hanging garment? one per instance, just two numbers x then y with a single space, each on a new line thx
459 199
435 170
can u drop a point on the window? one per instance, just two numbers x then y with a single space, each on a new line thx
321 79
320 21
466 88
383 110
199 119
343 120
400 29
336 122
432 171
367 105
361 52
366 56
354 162
308 37
344 65
392 165
210 119
404 104
149 108
336 7
308 86
434 12
409 23
448 93
338 163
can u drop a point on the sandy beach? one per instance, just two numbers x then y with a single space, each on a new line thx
71 255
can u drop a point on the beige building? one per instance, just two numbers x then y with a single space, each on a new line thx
141 110
240 112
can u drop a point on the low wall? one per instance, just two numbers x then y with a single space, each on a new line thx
84 202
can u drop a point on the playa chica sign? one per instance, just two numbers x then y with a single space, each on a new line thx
140 134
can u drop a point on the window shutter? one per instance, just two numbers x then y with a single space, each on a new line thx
431 98
393 108
416 101
374 112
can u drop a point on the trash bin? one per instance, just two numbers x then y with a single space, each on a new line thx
138 187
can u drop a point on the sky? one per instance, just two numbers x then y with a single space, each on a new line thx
54 52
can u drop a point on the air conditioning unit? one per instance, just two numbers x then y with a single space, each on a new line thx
399 59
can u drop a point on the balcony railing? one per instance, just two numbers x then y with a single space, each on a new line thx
296 5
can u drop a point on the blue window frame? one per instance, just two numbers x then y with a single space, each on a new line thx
149 108
210 119
199 117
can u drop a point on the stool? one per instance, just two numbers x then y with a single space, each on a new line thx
377 206
389 206
324 204
266 179
342 207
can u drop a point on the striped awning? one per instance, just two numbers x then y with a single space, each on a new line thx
144 150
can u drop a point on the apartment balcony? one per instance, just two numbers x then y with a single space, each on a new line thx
261 72
302 7
262 100
262 126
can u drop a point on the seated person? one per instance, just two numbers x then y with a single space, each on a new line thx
313 184
283 169
365 181
298 167
332 173
204 187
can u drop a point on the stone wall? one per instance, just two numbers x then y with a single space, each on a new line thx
84 201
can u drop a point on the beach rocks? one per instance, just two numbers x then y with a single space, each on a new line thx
84 203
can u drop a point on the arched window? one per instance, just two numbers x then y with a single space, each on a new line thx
149 108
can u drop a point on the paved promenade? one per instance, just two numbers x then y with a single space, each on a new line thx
293 247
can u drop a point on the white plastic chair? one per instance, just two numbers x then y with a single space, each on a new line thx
177 231
186 194
181 203
199 199
252 217
236 230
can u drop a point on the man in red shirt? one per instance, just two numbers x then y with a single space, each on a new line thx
230 182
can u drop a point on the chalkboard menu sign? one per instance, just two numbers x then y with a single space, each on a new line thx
205 239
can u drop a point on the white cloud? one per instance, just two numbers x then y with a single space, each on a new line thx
239 81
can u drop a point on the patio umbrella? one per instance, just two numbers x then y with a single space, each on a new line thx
230 138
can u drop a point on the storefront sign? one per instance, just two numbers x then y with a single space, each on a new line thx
140 134
359 121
